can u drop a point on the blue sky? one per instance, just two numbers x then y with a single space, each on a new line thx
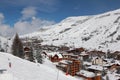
56 9
15 11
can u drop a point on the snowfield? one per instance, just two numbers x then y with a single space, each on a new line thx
25 70
101 32
5 44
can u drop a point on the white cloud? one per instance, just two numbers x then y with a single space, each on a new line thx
28 23
28 12
24 27
4 28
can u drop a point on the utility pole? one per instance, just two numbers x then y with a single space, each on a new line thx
58 74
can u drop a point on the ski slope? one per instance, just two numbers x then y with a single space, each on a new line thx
25 70
7 76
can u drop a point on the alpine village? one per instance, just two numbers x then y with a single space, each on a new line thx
77 48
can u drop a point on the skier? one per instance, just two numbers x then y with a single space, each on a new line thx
9 64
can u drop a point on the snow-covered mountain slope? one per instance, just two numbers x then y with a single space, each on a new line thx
25 70
5 44
100 32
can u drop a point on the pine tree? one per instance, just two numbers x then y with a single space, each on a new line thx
39 57
17 47
2 50
31 58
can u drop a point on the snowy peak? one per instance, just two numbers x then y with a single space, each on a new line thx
92 32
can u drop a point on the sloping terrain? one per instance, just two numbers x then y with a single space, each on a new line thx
25 70
5 44
100 32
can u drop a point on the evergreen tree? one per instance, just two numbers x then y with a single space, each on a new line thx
2 50
31 58
17 47
39 57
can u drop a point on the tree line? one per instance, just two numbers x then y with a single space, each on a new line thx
18 50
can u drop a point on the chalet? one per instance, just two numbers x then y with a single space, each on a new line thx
107 63
54 56
27 52
114 66
98 61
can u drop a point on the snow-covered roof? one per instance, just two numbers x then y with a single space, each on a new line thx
68 54
62 65
117 62
83 54
108 64
87 63
55 53
96 67
66 61
113 76
108 60
27 51
86 73
96 57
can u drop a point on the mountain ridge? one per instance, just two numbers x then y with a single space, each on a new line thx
99 32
